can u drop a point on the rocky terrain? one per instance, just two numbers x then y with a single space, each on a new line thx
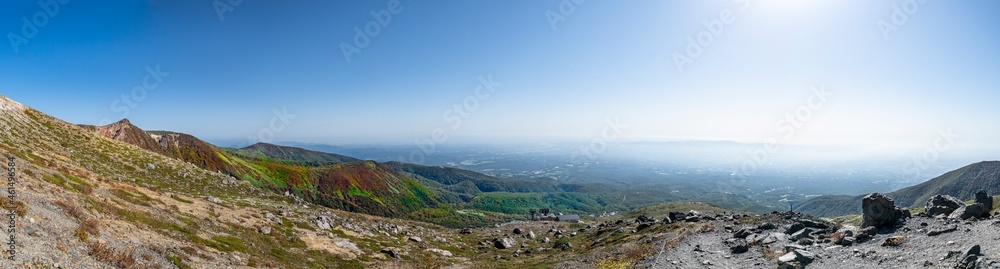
952 235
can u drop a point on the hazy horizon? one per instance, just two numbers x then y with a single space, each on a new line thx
823 73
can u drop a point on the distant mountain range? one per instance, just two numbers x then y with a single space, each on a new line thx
961 183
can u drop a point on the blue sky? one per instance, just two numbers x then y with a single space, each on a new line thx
600 61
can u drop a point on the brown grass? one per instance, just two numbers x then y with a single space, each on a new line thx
91 226
837 237
639 251
72 209
112 256
81 234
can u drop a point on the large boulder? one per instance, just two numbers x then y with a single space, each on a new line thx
943 205
986 200
879 211
970 211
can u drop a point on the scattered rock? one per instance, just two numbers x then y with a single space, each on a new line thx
737 245
265 230
391 252
942 230
322 222
971 259
767 226
847 241
794 228
213 199
743 233
518 231
504 243
416 239
441 252
465 231
796 258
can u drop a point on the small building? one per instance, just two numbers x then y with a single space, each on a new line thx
568 218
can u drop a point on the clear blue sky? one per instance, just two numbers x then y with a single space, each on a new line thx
606 60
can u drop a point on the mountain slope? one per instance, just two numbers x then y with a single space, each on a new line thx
265 151
92 202
484 183
961 183
315 177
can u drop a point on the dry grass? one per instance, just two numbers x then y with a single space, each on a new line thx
112 256
81 234
837 237
613 263
639 251
91 226
72 209
18 207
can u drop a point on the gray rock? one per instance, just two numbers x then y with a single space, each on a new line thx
796 258
801 234
847 241
767 226
986 200
737 245
966 212
563 245
942 230
392 252
504 243
465 231
518 231
743 233
794 228
441 252
942 204
416 239
322 222
265 230
531 235
813 224
213 199
939 211
879 211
